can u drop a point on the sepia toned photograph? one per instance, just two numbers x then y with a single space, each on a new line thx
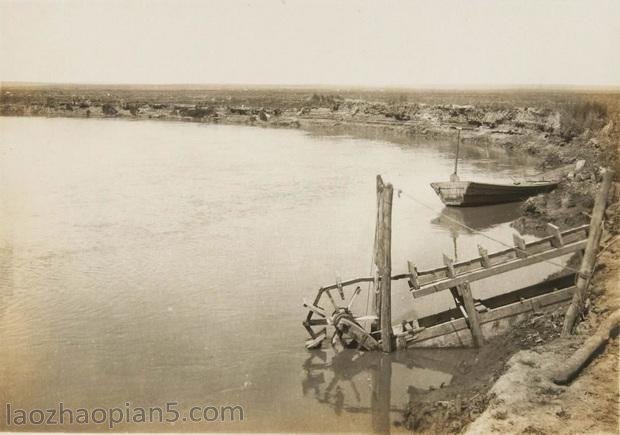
299 216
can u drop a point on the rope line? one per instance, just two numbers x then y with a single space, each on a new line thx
407 195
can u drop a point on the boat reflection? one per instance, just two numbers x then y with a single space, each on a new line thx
466 220
469 220
373 382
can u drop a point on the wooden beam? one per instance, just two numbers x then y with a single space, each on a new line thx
589 258
534 247
472 315
481 273
426 277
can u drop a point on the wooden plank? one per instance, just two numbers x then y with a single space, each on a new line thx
315 342
426 277
349 282
527 305
316 322
483 273
472 314
534 247
506 311
438 330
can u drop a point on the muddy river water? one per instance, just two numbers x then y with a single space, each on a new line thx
145 263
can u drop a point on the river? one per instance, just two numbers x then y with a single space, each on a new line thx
149 262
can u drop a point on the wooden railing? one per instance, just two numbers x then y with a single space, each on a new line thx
456 276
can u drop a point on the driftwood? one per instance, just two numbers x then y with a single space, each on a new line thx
589 257
583 355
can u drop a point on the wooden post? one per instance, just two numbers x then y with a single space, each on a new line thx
484 256
377 258
519 246
557 240
589 259
449 263
413 275
472 314
455 177
386 271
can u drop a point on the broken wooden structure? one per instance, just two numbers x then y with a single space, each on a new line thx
471 322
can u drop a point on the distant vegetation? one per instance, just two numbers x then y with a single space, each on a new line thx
577 118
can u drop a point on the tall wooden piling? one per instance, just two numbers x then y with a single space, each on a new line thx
589 258
378 257
383 261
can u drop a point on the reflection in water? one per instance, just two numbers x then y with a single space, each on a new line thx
362 382
476 218
469 220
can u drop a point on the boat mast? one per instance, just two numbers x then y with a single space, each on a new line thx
455 176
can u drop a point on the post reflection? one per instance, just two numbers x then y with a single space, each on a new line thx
372 383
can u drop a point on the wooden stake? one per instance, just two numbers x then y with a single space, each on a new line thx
557 240
472 314
449 263
413 275
378 257
589 259
519 245
386 272
484 256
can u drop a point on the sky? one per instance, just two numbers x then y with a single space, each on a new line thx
286 42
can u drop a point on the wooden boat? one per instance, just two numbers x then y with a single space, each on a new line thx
460 193
472 193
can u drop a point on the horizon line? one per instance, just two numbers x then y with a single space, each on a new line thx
426 87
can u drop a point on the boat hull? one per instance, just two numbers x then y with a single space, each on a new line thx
471 193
